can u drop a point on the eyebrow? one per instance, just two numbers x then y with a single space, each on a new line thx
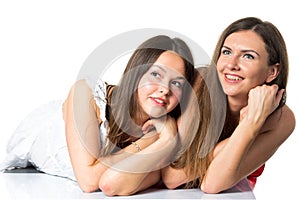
163 69
244 51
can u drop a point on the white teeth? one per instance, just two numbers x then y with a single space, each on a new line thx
159 101
234 78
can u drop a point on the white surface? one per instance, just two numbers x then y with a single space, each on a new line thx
44 43
43 186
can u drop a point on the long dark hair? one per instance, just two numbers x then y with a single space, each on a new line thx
190 160
274 44
124 107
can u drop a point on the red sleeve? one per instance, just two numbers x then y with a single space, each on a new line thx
252 178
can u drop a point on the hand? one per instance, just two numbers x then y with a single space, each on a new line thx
243 112
262 101
164 126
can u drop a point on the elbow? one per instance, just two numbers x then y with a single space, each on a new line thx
211 188
171 185
87 187
214 187
107 189
114 189
87 184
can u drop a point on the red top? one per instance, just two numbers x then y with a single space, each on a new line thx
253 177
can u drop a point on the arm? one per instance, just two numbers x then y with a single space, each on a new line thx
82 135
141 170
84 161
253 142
238 156
173 177
268 141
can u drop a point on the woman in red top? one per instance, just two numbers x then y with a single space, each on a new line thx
252 68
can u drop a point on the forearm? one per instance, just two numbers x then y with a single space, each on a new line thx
126 176
173 178
225 168
135 147
276 129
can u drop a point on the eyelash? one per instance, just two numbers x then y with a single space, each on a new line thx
248 56
155 74
176 83
225 52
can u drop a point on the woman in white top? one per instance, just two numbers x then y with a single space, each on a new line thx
111 144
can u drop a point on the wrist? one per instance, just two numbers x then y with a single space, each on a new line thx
250 127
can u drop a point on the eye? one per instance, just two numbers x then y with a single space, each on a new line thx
155 74
177 84
226 52
249 56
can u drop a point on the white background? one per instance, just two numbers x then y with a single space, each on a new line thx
44 43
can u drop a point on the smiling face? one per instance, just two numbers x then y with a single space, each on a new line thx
243 64
160 88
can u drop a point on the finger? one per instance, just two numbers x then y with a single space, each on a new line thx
147 126
275 86
243 112
279 96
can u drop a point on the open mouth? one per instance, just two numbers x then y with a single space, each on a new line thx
233 78
159 101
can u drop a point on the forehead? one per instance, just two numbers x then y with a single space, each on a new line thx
245 40
171 60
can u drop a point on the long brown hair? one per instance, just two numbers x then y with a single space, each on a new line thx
274 44
192 160
208 112
124 108
277 53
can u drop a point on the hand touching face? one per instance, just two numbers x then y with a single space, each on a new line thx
263 100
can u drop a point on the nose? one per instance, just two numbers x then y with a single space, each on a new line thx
164 89
232 63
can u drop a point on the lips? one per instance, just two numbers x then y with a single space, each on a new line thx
159 101
233 78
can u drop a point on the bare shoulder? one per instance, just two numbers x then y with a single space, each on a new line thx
285 118
281 123
80 89
82 85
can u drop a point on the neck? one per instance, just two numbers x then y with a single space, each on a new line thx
235 105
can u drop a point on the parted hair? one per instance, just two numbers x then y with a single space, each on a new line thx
124 110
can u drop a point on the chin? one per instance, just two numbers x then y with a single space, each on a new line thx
230 92
157 114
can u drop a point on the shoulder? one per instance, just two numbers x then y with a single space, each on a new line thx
81 85
79 91
281 122
285 118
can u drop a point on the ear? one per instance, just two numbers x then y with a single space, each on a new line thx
273 72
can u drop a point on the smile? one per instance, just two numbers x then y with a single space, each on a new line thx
159 101
233 77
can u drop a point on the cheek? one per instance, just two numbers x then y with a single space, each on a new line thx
145 89
176 96
220 63
257 75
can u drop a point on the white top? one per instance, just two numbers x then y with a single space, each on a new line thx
40 139
100 98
